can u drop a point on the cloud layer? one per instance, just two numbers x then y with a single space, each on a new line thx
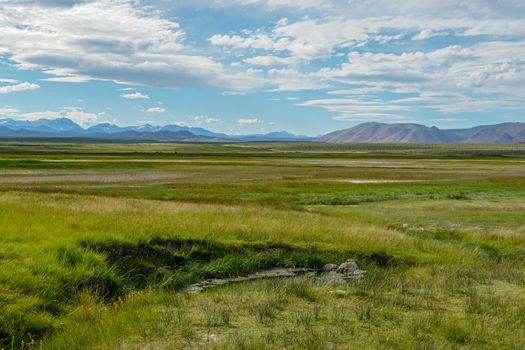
103 39
16 86
447 57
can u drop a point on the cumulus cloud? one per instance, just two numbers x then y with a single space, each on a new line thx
82 117
490 63
135 96
268 60
311 39
9 81
427 34
104 39
76 114
16 86
155 110
8 111
369 107
346 107
317 44
249 121
200 119
69 79
183 124
484 67
295 4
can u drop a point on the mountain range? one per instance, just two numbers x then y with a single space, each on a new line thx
66 128
367 132
415 133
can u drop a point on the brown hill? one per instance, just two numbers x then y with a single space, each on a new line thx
415 133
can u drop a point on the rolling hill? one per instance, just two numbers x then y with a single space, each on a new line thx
415 133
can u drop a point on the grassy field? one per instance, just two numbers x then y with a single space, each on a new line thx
99 241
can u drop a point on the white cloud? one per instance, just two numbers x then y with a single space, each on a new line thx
348 27
291 4
255 40
311 39
120 41
69 79
427 34
155 110
130 43
249 121
282 22
200 119
351 106
135 96
8 111
494 67
81 117
268 60
9 81
76 114
17 87
368 107
290 79
183 123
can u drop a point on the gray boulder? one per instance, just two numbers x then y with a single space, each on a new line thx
329 267
349 268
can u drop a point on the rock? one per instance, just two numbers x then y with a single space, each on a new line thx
349 268
334 278
329 267
275 273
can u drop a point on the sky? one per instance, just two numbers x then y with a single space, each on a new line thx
255 66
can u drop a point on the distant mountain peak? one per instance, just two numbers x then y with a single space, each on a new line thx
44 125
64 127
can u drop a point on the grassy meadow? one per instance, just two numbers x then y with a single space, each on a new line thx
99 241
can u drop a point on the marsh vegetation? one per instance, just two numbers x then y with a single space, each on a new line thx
98 242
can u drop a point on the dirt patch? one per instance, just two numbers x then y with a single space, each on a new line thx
375 181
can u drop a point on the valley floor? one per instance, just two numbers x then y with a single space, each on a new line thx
99 242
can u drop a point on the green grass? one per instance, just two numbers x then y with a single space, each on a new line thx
99 241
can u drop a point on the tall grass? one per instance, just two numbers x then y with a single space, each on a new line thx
94 265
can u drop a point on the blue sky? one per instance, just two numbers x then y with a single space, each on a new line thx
249 66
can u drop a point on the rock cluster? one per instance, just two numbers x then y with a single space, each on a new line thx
329 267
347 269
336 274
275 273
339 274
